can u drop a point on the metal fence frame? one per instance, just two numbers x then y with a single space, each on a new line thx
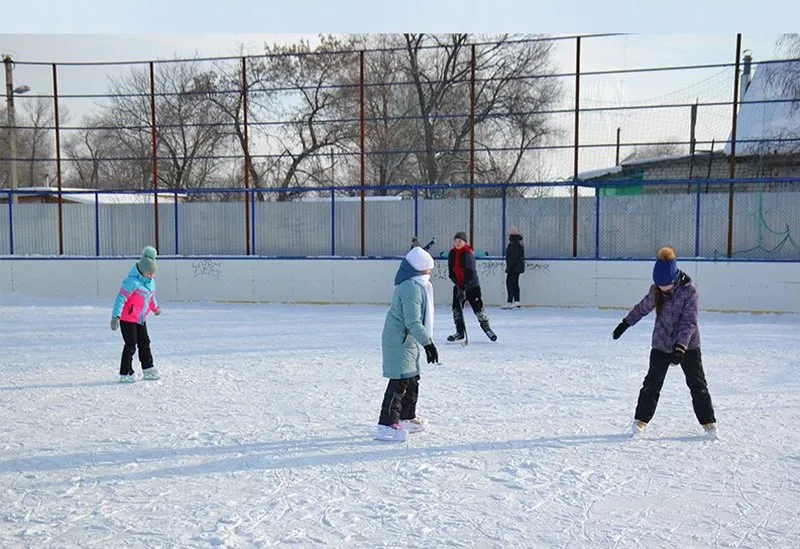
249 219
363 188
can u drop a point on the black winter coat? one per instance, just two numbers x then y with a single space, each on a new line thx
515 255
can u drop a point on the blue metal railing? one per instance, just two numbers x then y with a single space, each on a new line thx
766 219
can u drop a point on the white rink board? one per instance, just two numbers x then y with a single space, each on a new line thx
724 286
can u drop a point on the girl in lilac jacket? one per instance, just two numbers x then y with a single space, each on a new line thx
676 340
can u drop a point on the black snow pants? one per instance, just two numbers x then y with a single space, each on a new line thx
134 334
399 400
692 366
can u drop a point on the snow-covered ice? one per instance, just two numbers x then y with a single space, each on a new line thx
259 434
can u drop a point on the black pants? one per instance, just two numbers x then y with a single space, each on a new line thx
512 286
695 378
134 335
473 296
399 400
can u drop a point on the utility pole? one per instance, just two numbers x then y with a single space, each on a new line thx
12 126
12 122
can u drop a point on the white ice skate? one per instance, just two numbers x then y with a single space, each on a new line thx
127 379
392 433
637 428
151 374
415 425
507 306
516 305
711 431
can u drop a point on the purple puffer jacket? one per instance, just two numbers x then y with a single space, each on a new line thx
677 322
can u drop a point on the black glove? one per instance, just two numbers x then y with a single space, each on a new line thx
678 354
620 329
431 353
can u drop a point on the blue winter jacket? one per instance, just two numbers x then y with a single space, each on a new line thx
404 327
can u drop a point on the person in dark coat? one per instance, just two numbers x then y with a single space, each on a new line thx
515 266
676 340
467 288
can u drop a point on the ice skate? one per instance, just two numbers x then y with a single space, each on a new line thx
127 379
711 431
516 305
507 306
483 320
151 374
415 425
637 428
393 433
458 336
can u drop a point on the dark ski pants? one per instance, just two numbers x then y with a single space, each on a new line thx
399 400
512 286
134 335
692 366
473 296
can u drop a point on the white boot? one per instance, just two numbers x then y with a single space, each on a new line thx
638 427
516 305
506 306
711 431
393 433
151 374
415 425
127 379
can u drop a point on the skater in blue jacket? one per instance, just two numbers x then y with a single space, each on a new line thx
408 325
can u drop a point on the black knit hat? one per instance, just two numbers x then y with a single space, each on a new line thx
461 235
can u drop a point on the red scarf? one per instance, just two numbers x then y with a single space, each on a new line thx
458 269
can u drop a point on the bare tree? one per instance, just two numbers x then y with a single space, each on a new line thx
38 139
511 91
190 132
789 73
227 92
308 101
35 145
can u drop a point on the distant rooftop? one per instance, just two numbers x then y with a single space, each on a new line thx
767 122
87 196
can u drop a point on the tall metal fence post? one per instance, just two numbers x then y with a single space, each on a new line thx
177 233
154 137
246 157
11 222
732 174
97 224
363 158
333 221
472 148
252 199
416 212
503 221
58 163
697 221
576 146
596 221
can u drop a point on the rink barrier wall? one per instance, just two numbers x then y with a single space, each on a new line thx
735 286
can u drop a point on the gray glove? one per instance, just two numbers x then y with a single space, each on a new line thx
114 324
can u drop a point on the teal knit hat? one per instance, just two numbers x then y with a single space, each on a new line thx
147 264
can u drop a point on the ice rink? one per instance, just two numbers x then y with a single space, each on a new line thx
259 433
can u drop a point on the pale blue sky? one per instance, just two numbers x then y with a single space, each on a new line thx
285 16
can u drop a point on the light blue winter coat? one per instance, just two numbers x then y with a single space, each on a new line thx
404 328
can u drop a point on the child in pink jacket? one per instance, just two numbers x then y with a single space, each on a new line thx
135 300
